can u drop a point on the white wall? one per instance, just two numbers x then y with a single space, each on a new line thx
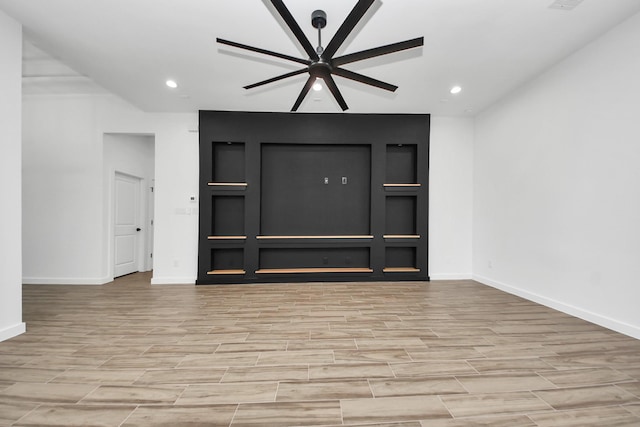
175 255
557 185
450 197
10 179
66 191
62 191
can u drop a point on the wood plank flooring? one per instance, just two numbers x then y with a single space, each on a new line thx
439 354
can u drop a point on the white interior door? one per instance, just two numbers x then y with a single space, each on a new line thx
127 229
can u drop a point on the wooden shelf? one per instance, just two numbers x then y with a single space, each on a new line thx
226 237
225 272
316 237
400 270
227 184
401 236
312 270
401 185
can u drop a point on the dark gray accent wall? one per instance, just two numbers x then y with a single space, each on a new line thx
313 197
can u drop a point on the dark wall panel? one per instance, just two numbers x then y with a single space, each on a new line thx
313 189
313 197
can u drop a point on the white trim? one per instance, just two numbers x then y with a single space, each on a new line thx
66 280
186 280
450 276
12 331
598 319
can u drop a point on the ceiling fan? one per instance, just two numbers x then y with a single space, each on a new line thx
321 63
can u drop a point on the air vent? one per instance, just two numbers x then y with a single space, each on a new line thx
565 4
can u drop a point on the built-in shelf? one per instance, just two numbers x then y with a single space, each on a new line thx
401 236
312 270
401 185
228 184
315 237
224 272
400 270
227 237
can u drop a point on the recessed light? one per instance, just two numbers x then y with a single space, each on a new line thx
456 89
172 84
565 4
317 86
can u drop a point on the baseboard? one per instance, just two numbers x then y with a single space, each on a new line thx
66 280
598 319
450 276
12 331
187 280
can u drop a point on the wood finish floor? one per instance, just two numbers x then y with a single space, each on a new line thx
439 354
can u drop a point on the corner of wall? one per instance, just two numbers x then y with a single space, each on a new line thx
10 178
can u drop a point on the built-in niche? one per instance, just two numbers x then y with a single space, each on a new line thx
324 259
400 260
312 197
401 164
400 216
228 162
226 261
224 224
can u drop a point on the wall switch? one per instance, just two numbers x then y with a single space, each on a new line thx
344 180
326 180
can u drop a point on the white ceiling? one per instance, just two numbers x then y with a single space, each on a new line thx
130 47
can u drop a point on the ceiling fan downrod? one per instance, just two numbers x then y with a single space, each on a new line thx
319 21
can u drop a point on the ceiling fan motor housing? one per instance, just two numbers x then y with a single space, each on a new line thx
318 19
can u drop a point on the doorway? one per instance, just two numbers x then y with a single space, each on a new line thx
129 169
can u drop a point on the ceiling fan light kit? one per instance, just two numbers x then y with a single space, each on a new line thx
321 63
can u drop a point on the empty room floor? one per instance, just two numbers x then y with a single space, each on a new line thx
404 354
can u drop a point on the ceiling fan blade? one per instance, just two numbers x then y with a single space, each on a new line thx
363 79
378 51
275 79
347 26
307 86
295 28
264 51
331 85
